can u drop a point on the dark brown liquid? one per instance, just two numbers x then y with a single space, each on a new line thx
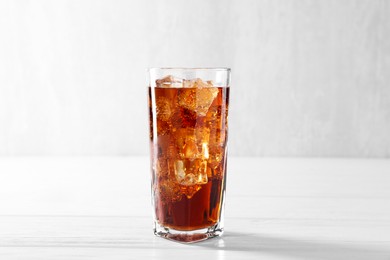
188 133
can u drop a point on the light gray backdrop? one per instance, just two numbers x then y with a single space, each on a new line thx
310 78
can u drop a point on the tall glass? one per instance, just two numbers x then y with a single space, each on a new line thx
188 110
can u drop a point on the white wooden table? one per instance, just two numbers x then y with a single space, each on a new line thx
99 208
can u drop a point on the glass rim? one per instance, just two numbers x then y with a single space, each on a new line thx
189 68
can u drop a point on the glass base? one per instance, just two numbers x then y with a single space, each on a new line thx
188 236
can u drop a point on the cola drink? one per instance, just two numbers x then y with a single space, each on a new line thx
188 138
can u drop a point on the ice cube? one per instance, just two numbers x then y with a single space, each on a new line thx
189 191
193 142
189 83
183 118
163 128
217 137
202 135
179 170
169 82
201 84
190 173
215 158
190 149
163 108
197 99
197 83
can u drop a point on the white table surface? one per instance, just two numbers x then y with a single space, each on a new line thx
99 208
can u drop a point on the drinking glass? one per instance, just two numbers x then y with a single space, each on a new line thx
188 115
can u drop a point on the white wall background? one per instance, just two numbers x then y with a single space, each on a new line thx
310 78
